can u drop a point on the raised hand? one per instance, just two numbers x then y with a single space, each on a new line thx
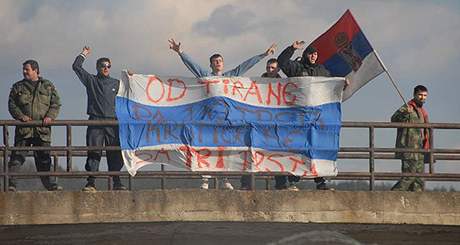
86 51
271 49
174 45
47 120
298 44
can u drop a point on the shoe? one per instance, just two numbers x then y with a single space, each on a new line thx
12 188
119 187
292 187
89 188
204 185
228 185
55 188
323 187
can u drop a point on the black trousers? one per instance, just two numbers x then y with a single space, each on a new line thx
100 136
42 160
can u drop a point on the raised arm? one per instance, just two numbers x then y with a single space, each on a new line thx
285 63
77 66
196 69
248 64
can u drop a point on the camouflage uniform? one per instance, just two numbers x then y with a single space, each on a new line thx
36 100
411 138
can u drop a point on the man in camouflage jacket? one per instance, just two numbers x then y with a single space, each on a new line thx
412 138
33 99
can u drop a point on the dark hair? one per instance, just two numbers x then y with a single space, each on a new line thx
33 64
101 60
271 61
307 51
420 88
214 56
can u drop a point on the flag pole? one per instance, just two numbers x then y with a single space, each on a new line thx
389 75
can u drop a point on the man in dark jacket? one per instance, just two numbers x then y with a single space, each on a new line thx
33 99
306 66
101 90
272 69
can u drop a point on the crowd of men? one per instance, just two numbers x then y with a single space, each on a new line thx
36 99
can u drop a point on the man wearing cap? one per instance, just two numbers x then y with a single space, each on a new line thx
101 90
306 66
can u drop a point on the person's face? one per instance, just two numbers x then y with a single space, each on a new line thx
217 64
420 97
29 73
272 68
312 57
104 68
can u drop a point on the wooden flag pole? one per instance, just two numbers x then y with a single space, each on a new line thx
391 78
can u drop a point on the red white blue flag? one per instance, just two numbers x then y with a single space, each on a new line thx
346 52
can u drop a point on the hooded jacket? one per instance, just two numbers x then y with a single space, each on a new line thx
294 68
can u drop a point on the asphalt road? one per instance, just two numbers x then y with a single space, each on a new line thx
223 233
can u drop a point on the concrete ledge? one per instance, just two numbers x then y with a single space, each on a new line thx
440 208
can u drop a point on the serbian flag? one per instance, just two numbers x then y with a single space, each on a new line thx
346 52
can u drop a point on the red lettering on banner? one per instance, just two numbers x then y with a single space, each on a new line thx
151 128
162 151
220 157
188 154
226 82
258 160
170 85
287 94
208 83
236 87
295 162
201 156
245 160
313 170
143 157
150 81
278 163
255 92
271 92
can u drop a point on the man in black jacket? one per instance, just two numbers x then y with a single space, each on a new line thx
101 90
306 66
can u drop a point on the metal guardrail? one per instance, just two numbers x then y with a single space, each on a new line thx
371 153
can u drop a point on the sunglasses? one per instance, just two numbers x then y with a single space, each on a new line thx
105 65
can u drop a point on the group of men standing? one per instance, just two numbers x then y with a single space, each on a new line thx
36 99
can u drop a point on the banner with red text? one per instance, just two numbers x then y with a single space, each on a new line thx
231 123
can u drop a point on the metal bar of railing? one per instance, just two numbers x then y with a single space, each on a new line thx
371 158
69 147
5 158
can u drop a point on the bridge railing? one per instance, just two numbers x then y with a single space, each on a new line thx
370 152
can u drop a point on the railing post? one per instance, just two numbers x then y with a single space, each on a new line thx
130 182
69 146
5 158
163 179
431 166
253 181
371 158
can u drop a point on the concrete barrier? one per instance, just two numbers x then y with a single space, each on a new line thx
440 208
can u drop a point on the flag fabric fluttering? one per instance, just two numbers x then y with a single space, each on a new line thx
345 51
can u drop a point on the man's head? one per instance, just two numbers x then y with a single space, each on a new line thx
310 55
216 63
420 94
272 67
103 66
30 70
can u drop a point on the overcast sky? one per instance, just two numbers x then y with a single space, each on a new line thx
417 40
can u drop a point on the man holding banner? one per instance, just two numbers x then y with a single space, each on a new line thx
217 69
307 66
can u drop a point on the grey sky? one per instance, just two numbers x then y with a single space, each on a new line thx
417 40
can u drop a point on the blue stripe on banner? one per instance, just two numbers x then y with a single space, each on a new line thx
220 121
337 64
